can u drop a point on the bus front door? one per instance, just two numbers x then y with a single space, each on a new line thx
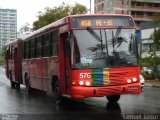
66 61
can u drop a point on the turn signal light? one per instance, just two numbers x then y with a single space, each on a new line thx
73 83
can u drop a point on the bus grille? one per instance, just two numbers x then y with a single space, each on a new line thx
109 91
117 78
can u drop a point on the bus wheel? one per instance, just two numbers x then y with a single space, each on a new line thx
57 93
11 82
17 86
113 98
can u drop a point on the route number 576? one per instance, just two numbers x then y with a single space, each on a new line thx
85 75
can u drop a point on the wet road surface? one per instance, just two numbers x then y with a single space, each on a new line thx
18 104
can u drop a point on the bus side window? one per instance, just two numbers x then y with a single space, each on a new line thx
7 54
23 53
27 50
24 50
46 45
54 43
32 48
39 47
11 52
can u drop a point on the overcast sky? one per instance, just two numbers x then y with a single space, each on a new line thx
27 10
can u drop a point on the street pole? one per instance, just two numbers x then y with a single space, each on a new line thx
90 6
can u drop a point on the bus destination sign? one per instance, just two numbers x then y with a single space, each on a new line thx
95 21
85 23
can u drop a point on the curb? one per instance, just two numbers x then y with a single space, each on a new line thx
149 85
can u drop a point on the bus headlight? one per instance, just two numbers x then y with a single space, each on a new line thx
128 81
134 79
81 83
88 83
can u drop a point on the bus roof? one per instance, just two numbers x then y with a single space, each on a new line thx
64 21
11 42
81 15
55 24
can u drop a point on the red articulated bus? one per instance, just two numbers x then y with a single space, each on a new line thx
78 56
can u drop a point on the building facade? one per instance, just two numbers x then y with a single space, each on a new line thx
141 10
147 29
8 26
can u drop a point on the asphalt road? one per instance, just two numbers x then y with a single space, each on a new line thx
18 105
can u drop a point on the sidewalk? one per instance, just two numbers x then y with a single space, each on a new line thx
152 83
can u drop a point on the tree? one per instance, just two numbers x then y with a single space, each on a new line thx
156 33
78 9
152 62
2 57
156 38
53 14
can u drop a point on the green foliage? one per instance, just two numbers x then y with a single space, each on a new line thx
78 9
156 38
53 14
2 57
152 62
148 76
156 34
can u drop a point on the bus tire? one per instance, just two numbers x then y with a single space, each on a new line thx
57 92
28 88
11 82
113 98
17 86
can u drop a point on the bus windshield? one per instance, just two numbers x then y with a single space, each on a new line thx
95 48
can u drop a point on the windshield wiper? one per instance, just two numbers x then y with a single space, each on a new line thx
118 32
94 34
116 39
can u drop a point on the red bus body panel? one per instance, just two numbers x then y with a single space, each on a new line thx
106 82
35 73
83 92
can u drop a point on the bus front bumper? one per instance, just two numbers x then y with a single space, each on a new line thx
84 92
